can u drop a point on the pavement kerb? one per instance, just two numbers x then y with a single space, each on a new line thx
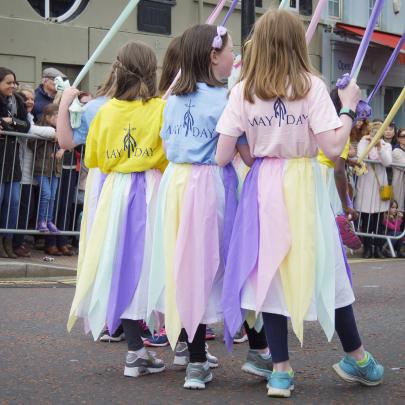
15 269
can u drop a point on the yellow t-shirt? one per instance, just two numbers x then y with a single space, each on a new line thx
124 137
323 160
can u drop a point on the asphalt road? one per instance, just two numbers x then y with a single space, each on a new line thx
40 363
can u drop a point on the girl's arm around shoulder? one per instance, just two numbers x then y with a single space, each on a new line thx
226 150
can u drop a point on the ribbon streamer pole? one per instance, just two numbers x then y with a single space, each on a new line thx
387 68
315 20
390 117
361 53
106 40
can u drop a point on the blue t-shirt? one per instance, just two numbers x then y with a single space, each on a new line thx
90 111
189 123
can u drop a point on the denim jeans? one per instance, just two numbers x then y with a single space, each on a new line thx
9 200
47 190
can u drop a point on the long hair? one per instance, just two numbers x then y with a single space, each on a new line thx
3 73
108 84
135 72
170 66
195 55
276 61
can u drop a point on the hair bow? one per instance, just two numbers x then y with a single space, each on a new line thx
217 41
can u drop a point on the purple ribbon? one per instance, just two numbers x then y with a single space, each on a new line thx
230 11
390 62
231 205
129 256
361 52
242 255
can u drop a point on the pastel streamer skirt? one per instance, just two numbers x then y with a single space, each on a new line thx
115 249
195 213
285 255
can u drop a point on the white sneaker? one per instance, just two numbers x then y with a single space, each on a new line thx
182 356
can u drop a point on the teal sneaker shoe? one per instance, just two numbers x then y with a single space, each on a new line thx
280 384
370 373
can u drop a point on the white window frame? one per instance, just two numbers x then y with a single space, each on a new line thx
370 10
340 16
66 16
296 8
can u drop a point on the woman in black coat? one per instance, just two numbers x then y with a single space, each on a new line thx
13 117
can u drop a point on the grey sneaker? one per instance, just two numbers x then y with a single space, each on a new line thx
240 336
256 364
197 375
136 366
182 356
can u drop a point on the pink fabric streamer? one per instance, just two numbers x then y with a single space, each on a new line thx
210 20
195 266
315 20
273 217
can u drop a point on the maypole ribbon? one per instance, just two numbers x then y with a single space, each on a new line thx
362 169
315 20
210 20
75 108
362 109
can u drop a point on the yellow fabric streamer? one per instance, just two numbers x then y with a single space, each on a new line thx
171 220
89 264
298 268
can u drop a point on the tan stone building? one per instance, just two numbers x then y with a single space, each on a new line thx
35 34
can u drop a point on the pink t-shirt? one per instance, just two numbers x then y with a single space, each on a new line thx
278 127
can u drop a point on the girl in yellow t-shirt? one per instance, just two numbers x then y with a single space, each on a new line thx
114 258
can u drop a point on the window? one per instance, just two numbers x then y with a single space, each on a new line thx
59 10
304 7
155 16
335 8
370 10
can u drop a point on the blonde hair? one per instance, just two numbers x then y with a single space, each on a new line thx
374 127
276 61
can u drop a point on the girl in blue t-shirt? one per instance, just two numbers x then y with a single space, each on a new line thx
196 202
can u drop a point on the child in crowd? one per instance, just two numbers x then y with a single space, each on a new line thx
47 170
298 272
114 259
393 220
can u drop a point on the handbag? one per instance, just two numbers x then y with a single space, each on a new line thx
386 192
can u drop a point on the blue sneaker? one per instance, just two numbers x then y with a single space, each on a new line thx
157 340
280 384
370 374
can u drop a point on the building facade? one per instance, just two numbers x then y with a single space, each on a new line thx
35 34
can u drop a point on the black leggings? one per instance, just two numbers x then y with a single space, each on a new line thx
257 340
197 347
276 331
132 330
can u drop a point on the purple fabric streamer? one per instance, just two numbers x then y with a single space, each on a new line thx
129 257
243 254
388 66
230 11
231 205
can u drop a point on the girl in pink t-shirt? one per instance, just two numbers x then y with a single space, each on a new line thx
285 256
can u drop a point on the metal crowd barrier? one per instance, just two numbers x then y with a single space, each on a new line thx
371 224
67 205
